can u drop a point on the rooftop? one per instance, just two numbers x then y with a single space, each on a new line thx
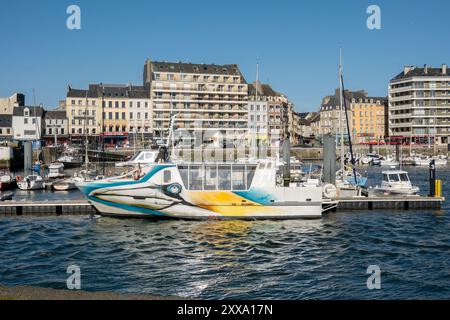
110 90
426 71
183 67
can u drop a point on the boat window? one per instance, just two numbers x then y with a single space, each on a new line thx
224 177
211 177
196 178
250 174
184 175
149 156
386 177
167 176
394 178
269 165
261 166
238 178
404 177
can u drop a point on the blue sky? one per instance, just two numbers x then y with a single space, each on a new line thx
296 42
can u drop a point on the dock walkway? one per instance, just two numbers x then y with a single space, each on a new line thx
83 207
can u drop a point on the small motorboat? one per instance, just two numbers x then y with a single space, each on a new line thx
31 182
6 196
389 161
425 161
70 160
67 184
7 182
56 170
396 182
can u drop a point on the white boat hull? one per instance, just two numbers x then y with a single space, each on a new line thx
150 198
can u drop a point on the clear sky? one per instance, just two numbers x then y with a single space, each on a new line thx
296 42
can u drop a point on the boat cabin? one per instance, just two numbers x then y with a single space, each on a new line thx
395 176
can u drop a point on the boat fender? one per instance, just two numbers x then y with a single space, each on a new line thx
18 178
329 191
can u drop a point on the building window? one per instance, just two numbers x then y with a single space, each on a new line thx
25 120
123 104
110 104
123 115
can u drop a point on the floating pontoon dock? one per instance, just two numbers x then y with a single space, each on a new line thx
83 207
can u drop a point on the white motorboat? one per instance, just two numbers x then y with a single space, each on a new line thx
7 181
56 170
389 161
204 191
67 184
143 157
396 182
31 182
425 160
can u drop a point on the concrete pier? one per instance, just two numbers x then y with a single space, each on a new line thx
46 208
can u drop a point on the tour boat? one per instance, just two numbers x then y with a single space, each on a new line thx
7 182
56 170
31 182
396 182
204 191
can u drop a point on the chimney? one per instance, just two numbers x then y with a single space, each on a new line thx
425 69
444 69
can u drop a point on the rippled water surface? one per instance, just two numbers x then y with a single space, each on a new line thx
319 259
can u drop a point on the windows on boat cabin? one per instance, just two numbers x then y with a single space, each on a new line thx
395 177
211 177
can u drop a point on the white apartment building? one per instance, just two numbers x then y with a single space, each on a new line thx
207 97
27 123
419 105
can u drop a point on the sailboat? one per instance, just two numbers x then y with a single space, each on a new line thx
348 181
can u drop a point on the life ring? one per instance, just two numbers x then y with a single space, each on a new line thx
18 178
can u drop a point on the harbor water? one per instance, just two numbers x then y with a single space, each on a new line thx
313 259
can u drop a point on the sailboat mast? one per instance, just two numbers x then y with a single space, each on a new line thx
348 133
255 153
341 98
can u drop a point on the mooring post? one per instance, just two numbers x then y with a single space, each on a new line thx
397 152
432 178
28 157
286 152
329 159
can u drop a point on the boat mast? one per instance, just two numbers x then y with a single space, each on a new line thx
348 133
86 157
255 153
341 98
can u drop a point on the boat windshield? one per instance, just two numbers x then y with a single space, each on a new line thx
404 177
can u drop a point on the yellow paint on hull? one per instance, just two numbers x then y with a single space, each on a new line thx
227 203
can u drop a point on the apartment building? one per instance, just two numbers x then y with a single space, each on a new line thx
209 97
419 105
366 116
56 126
258 110
111 110
27 123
